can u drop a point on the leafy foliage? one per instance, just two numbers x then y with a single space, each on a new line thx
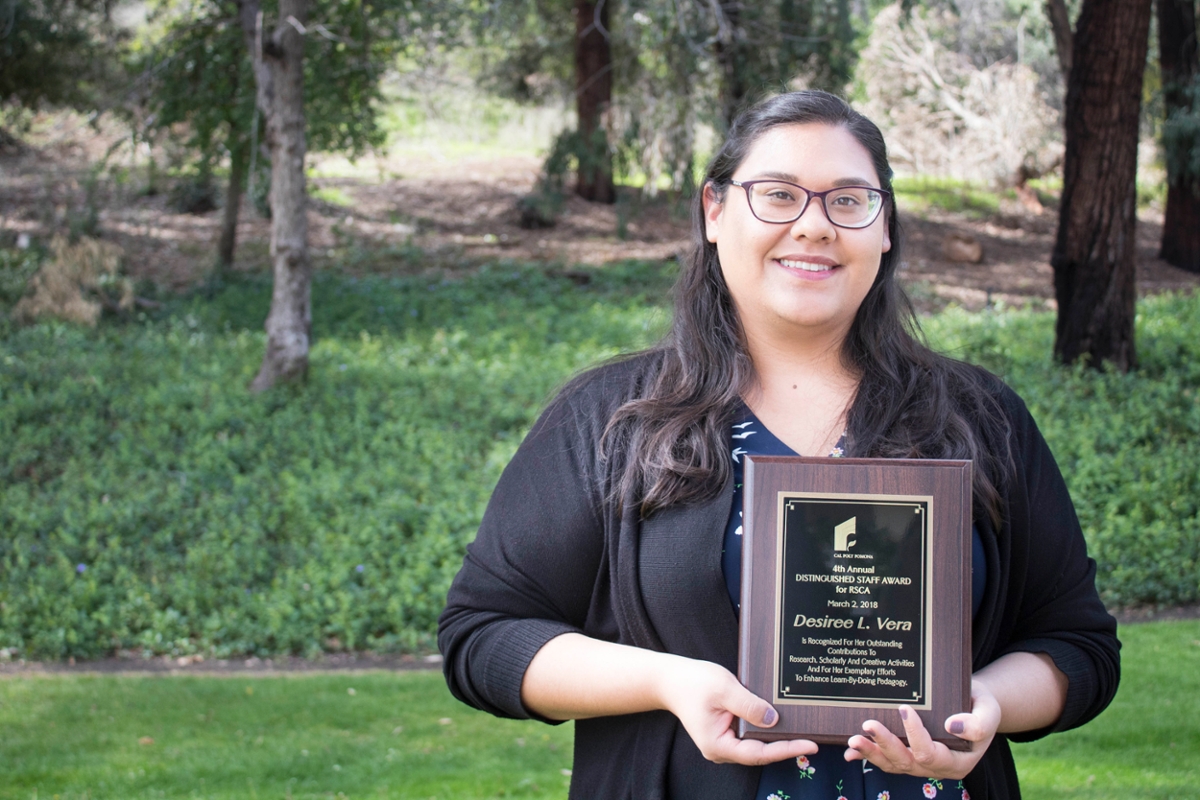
1181 139
1128 445
50 53
150 502
17 268
668 73
200 74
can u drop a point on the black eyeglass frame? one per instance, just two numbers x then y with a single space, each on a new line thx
809 194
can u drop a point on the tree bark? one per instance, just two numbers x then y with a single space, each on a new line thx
727 50
593 96
1179 60
1060 25
238 157
279 74
1093 259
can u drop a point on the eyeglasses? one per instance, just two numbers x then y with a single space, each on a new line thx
780 202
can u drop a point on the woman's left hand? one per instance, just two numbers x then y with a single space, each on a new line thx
924 757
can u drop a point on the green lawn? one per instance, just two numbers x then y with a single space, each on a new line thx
396 736
403 736
1147 744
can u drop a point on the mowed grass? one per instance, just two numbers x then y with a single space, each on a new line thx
403 736
1147 743
396 736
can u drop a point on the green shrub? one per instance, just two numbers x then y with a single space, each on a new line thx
1129 445
149 502
17 268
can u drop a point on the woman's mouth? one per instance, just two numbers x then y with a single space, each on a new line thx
814 264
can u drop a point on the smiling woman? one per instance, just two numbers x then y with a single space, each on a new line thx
603 583
796 276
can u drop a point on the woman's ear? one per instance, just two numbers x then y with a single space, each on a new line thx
712 212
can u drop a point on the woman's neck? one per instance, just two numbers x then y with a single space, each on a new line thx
802 392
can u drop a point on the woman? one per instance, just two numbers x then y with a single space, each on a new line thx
602 585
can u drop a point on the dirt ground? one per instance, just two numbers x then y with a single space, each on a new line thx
462 210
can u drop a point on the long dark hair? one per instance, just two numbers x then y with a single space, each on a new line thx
910 403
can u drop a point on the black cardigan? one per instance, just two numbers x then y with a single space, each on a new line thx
554 556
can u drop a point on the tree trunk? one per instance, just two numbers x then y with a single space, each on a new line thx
727 50
1093 255
238 156
593 95
279 73
1180 61
1060 25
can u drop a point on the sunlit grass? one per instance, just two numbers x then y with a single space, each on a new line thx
366 735
922 194
1147 744
332 195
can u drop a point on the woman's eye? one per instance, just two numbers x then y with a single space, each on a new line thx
845 200
780 196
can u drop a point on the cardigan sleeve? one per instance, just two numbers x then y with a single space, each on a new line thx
1052 583
537 561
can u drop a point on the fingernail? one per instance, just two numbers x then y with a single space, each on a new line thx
956 726
770 717
904 714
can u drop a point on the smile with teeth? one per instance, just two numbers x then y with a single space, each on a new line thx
807 266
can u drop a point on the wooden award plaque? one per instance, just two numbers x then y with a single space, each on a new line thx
856 594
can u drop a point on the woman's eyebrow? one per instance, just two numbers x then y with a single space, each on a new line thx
790 178
779 176
852 182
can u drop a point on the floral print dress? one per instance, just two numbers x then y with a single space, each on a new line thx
825 774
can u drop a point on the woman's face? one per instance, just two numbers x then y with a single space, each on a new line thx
807 277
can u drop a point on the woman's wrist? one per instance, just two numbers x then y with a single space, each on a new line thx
575 677
1029 688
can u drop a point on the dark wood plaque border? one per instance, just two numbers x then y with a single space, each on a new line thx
949 691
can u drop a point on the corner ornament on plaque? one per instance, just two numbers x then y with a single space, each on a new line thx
856 580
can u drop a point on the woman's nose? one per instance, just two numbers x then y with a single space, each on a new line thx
813 222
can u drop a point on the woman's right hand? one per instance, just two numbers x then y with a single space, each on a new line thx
707 699
576 677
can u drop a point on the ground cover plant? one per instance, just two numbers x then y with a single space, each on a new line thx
1128 445
149 502
381 735
150 505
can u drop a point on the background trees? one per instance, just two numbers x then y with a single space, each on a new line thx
278 57
973 89
593 96
1093 259
1179 59
649 75
200 77
53 51
237 72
